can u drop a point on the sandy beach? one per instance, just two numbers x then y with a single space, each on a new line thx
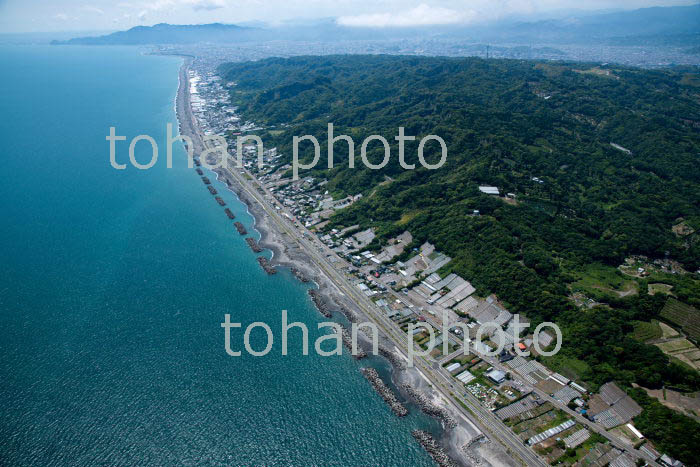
459 432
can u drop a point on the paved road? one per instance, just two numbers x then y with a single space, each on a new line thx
472 410
489 424
493 361
443 381
464 403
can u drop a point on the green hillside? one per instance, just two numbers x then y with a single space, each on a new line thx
506 122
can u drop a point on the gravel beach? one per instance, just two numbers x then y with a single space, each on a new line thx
459 432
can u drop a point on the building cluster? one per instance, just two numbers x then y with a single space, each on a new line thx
411 283
211 104
612 407
209 55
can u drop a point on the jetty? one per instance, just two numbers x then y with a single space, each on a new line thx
240 227
384 391
220 201
426 440
229 213
347 341
319 303
266 265
253 244
212 190
398 362
429 408
299 275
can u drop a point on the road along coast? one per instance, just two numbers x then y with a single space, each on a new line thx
291 249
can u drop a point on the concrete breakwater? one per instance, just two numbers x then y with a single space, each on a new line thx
287 254
266 265
347 341
229 213
384 391
299 275
426 440
394 359
241 228
319 303
253 244
428 407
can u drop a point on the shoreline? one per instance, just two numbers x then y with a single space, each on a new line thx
457 432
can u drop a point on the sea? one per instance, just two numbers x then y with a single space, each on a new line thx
114 285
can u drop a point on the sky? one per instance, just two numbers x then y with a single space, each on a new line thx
109 15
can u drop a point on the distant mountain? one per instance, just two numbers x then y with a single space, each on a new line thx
643 27
647 26
164 33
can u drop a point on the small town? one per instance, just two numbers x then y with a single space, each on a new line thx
559 418
421 233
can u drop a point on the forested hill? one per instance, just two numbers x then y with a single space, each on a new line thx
542 131
505 123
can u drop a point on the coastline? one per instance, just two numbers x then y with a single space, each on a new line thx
458 431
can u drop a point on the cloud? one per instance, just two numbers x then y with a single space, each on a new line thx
61 16
207 4
422 15
93 9
197 5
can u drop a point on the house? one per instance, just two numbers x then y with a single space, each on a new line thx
620 148
669 461
566 394
649 450
505 356
497 376
490 190
465 377
612 406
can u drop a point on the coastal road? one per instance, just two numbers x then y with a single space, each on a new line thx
470 408
463 403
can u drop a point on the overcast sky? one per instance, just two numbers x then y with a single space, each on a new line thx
92 15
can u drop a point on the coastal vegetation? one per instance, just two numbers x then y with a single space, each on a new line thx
601 167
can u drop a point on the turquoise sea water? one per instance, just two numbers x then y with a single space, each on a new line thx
113 285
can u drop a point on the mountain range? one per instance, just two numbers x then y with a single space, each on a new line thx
679 25
164 33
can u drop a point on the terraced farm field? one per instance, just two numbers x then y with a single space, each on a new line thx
685 316
683 350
